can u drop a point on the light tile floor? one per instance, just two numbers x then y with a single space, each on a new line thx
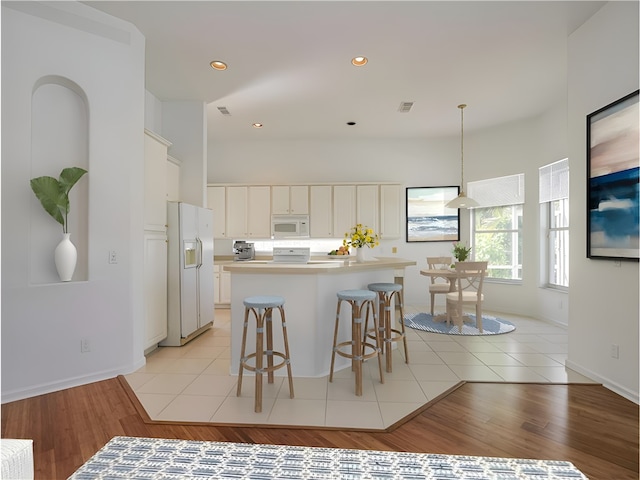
192 383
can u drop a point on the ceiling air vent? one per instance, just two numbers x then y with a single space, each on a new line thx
405 107
224 111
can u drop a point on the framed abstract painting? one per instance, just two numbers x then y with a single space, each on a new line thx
428 220
613 188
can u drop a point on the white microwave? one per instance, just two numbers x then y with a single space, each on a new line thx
289 226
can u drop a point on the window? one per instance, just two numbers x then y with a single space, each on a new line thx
497 225
554 214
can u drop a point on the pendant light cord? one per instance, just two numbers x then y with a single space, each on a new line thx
461 107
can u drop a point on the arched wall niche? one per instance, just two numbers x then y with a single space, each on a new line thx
59 139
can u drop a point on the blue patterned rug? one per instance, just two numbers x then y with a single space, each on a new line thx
490 325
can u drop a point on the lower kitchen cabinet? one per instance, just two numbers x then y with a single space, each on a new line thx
155 288
221 286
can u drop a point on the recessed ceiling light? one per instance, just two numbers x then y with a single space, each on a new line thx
359 61
257 125
218 65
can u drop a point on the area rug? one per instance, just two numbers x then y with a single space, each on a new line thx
490 325
163 459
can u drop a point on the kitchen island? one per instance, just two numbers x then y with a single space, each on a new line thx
310 297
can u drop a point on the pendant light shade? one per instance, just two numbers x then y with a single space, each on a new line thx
462 201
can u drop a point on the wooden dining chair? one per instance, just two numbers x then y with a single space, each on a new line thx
469 280
438 285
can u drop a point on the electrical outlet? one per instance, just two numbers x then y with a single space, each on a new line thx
394 249
615 351
85 346
113 257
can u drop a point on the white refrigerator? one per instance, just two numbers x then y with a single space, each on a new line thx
190 307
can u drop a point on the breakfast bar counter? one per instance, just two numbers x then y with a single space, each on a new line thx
310 297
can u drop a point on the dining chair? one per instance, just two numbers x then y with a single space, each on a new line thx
438 285
469 280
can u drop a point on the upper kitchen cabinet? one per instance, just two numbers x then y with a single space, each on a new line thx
367 206
248 212
216 201
320 211
290 200
390 211
344 209
155 181
173 179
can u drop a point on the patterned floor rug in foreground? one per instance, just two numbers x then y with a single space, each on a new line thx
164 459
490 325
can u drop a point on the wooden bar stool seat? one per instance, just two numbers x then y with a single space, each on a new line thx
387 293
358 349
261 308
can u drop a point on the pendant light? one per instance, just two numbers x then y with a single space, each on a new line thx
462 201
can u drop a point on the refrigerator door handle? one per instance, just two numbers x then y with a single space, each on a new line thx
199 252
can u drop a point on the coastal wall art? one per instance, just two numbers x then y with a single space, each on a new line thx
613 163
428 220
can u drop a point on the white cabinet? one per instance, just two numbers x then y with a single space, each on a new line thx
320 211
173 179
290 200
367 206
390 211
248 212
259 212
236 212
155 181
216 201
156 189
344 209
244 211
221 286
155 288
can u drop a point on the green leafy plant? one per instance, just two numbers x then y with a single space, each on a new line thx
460 251
54 193
360 236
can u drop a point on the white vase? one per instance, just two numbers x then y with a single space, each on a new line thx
361 255
65 257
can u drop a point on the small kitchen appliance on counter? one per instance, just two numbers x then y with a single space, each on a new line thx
243 251
291 255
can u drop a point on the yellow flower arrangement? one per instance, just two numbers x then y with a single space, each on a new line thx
360 236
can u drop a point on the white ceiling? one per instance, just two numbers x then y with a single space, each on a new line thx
289 63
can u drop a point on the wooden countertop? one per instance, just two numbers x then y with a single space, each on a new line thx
315 266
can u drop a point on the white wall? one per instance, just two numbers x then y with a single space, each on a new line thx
43 323
603 67
184 124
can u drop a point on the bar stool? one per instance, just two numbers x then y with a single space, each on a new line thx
386 293
262 309
358 299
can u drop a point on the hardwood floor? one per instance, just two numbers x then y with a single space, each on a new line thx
588 425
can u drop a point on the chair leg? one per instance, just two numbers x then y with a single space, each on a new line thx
400 302
479 316
433 299
379 340
242 351
259 355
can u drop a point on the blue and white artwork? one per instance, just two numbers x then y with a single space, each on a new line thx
614 188
428 220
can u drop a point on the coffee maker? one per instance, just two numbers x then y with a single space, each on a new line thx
243 250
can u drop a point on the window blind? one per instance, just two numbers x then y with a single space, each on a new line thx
495 192
554 181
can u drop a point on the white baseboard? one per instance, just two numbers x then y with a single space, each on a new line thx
611 385
44 388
